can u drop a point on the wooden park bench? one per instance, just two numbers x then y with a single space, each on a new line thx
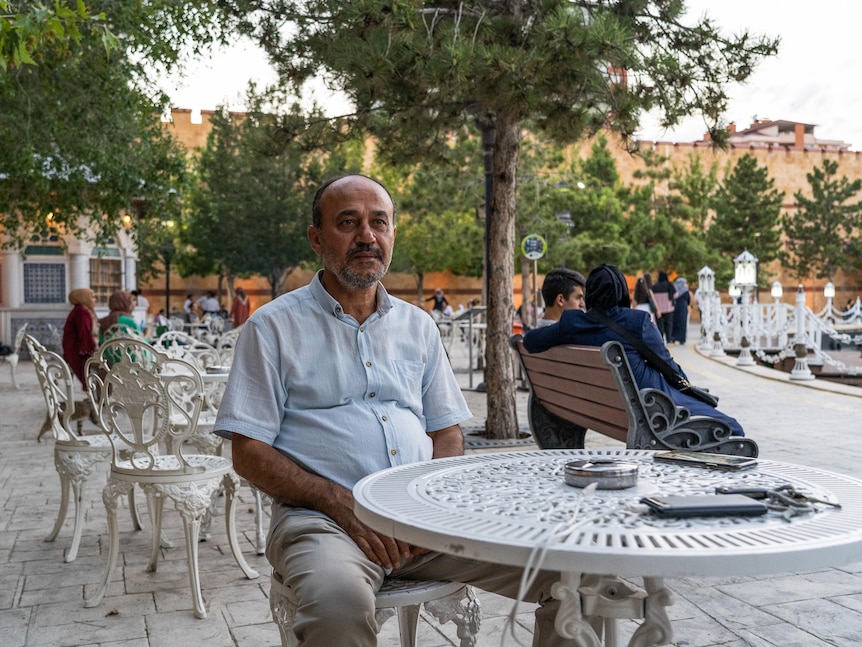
576 388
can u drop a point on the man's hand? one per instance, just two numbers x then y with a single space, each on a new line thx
380 549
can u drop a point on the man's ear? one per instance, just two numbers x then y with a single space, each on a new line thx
559 301
314 238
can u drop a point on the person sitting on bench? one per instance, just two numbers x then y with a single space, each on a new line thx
608 293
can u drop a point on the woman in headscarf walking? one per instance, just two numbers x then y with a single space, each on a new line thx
681 304
80 332
239 309
608 293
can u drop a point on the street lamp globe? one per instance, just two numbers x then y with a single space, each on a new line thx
777 291
829 290
745 269
733 289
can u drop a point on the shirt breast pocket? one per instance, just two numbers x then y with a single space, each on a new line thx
409 375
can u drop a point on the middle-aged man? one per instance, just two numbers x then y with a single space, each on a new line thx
330 383
562 289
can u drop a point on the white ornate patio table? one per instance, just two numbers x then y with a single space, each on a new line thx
499 507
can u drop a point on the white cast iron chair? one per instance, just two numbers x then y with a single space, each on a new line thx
180 345
446 601
135 390
203 356
76 458
12 358
226 343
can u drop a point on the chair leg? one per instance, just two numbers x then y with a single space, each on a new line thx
463 609
13 365
64 507
192 527
46 427
408 623
283 610
78 493
260 538
113 490
156 506
230 482
133 511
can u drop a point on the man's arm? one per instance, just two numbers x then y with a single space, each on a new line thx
448 441
273 473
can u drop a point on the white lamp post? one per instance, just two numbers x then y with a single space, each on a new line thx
777 291
745 275
745 270
708 318
829 293
733 290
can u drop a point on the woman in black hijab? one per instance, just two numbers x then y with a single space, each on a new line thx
607 292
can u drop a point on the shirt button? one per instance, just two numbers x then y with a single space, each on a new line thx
385 418
368 363
372 394
393 451
361 329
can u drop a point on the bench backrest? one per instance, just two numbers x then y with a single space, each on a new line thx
585 385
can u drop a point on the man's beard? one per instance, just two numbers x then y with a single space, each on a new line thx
354 279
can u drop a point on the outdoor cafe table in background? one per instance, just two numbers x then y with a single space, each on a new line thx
499 507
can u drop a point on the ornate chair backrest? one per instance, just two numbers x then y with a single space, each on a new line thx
180 345
226 344
176 323
55 378
135 391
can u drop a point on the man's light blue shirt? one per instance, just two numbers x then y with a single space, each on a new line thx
339 398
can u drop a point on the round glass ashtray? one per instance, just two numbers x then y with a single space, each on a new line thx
605 473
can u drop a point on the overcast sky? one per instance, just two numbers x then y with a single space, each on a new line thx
815 78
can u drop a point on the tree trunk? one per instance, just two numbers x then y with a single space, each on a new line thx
502 421
420 289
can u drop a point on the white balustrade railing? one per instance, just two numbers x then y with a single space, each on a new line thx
775 331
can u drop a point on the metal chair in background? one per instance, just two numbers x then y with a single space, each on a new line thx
12 358
135 398
76 458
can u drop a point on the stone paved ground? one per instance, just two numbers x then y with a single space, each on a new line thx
41 597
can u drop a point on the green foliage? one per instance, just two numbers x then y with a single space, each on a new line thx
80 127
437 229
82 144
26 35
747 210
251 209
414 70
823 233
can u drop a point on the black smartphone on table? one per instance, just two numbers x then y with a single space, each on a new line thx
709 505
707 460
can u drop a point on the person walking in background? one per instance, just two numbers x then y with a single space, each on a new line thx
188 308
682 302
240 308
440 303
643 298
208 304
664 294
80 332
562 289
